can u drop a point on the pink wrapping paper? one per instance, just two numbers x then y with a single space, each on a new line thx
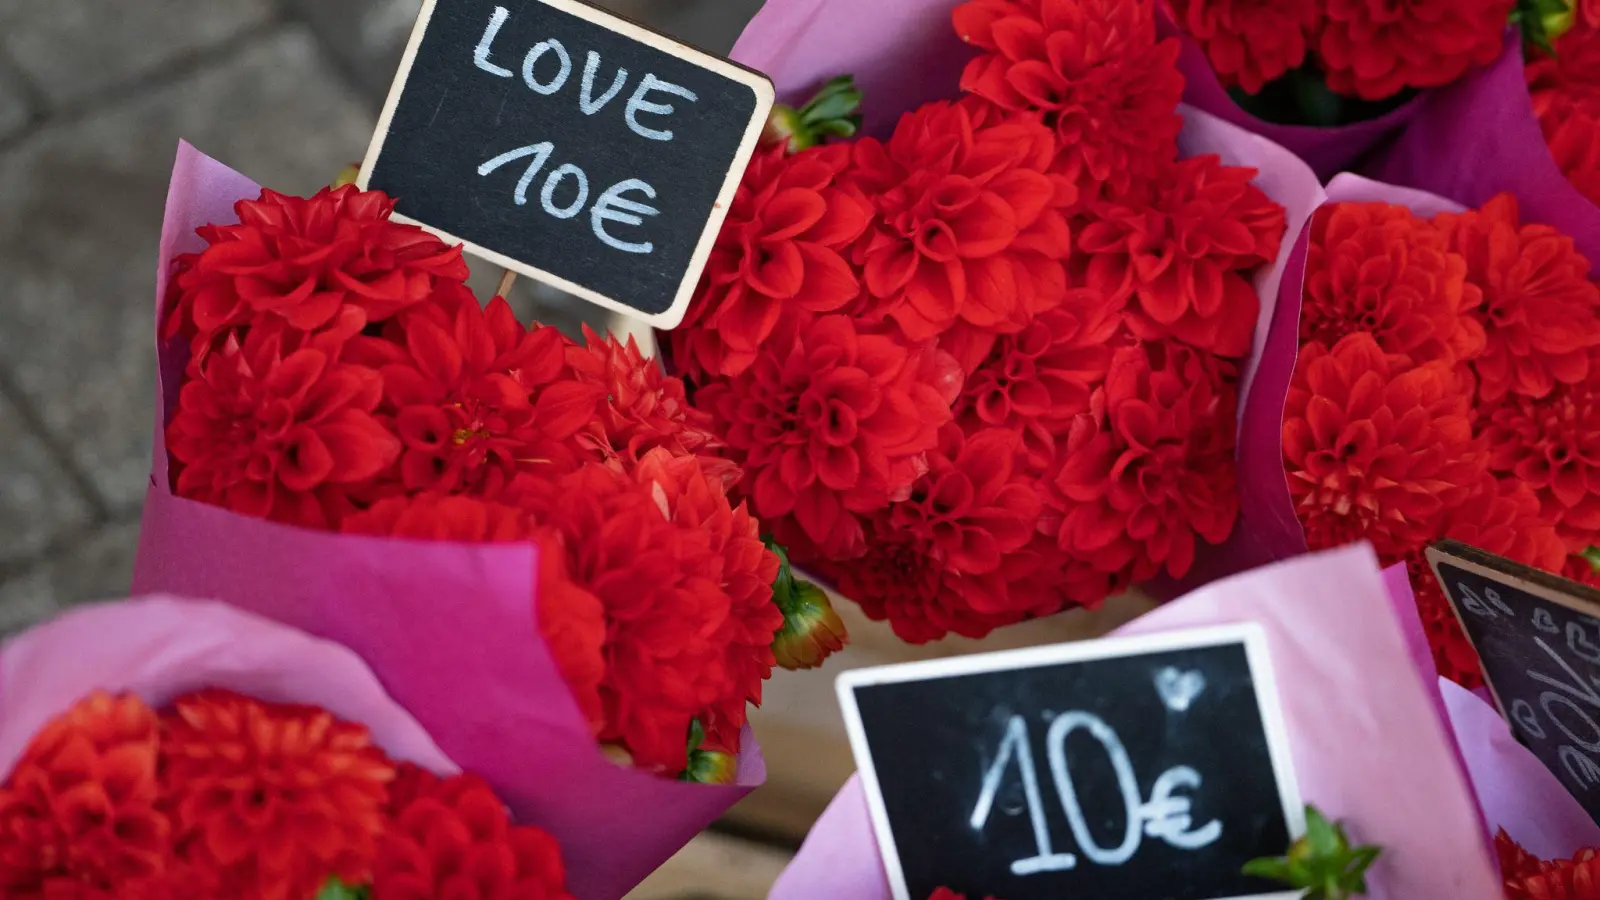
1479 137
448 628
161 648
1368 744
1328 151
1268 530
904 53
1515 791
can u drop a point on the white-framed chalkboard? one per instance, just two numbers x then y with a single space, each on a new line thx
1538 637
1119 769
563 142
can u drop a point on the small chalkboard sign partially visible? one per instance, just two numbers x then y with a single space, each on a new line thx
1538 636
1147 768
568 144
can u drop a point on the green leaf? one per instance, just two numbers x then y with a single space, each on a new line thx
1592 554
1321 834
1323 864
1543 21
338 890
1270 868
697 735
834 111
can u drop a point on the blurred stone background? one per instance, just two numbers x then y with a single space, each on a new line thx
94 95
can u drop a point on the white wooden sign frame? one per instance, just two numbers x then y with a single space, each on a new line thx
756 82
1250 635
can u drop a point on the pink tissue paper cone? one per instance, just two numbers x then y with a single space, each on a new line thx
904 53
1267 530
1368 743
1515 791
1328 151
448 628
161 648
1478 138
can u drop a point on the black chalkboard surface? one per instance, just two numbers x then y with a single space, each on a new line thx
1539 638
571 145
1139 768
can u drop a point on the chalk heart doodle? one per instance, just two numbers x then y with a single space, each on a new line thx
1166 816
1545 622
1522 713
1488 606
1178 690
1580 645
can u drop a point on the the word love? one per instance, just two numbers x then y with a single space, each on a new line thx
548 68
1165 816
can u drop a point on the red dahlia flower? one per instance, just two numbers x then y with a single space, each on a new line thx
275 798
1540 310
660 586
475 397
1251 42
303 259
945 893
1035 381
835 426
1565 89
571 622
1377 268
1552 444
641 407
451 837
1578 568
79 814
1178 244
279 429
976 503
698 502
1529 878
779 253
1150 467
970 225
1503 517
902 580
1376 447
1094 69
1374 49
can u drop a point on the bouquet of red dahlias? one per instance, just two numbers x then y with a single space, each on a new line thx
1331 79
162 748
1440 383
982 364
488 513
1529 125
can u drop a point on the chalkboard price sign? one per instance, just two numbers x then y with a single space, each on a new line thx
1148 768
568 144
1538 636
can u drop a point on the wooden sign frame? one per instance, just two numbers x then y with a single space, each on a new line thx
758 83
1251 635
1564 592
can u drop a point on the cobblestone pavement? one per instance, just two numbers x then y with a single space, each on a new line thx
94 95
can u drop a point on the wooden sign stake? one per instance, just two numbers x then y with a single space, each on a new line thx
507 279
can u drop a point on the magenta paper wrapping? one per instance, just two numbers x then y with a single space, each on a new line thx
904 53
1478 138
1328 151
448 628
1368 743
1515 790
161 648
1268 530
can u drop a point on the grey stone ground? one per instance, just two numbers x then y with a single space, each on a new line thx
94 95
